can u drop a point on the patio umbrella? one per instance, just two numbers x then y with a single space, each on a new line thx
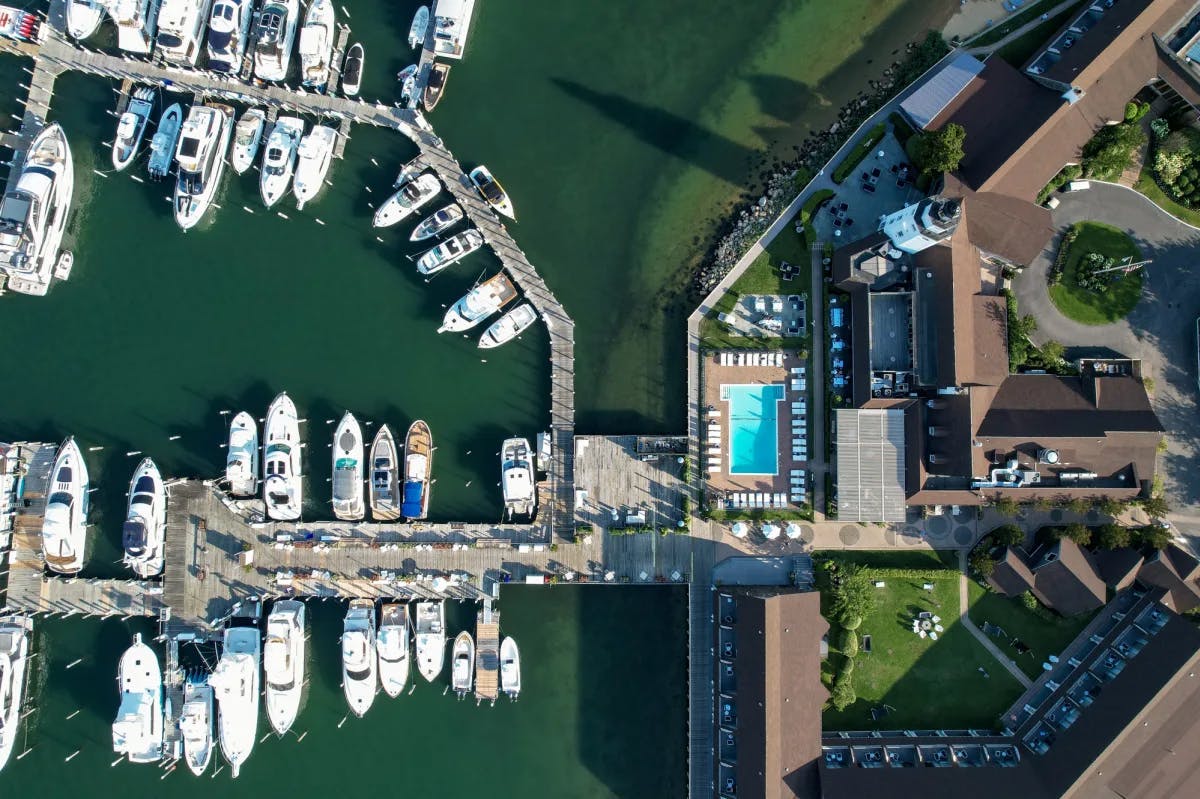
770 531
440 584
675 575
740 529
793 530
610 576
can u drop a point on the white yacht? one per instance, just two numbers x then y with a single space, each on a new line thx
201 160
510 667
411 195
312 162
235 683
385 476
517 478
279 160
135 24
241 457
247 135
229 34
15 635
138 729
408 85
430 627
131 127
449 252
508 327
418 471
479 303
462 664
316 44
146 521
451 23
352 70
84 18
283 663
64 526
34 212
348 469
392 644
282 473
181 30
360 678
166 137
196 725
275 35
419 27
492 192
439 221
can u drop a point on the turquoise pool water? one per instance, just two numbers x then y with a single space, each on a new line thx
753 428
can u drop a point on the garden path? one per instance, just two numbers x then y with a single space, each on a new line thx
964 605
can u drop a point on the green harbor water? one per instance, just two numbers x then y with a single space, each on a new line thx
623 129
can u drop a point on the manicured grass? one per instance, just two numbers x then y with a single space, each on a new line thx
804 513
1021 49
807 211
1148 187
1122 294
1044 632
1014 21
859 152
901 559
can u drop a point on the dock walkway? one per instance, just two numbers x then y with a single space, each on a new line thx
487 654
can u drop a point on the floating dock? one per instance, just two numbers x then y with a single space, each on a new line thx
487 654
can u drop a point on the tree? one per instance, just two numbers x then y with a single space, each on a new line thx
1153 536
1110 506
1078 533
1053 352
1009 535
842 695
1108 153
1078 505
1169 166
1156 506
1112 536
1007 507
853 597
941 150
981 563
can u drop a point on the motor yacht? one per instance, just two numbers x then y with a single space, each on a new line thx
196 724
348 469
508 327
316 44
138 729
352 70
16 633
64 525
438 222
408 85
462 664
393 648
283 663
418 470
131 127
275 35
411 195
420 25
360 678
181 30
84 18
282 471
136 20
162 145
492 192
33 214
430 628
201 160
235 684
385 470
312 162
517 478
229 34
241 456
479 303
451 24
247 135
510 667
279 160
145 521
435 85
449 252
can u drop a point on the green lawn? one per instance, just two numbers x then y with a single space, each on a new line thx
1044 633
1150 189
925 683
1122 294
1022 48
1014 21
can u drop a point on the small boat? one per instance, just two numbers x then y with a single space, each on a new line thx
316 44
438 74
419 27
132 127
516 471
392 644
84 18
138 729
162 145
385 470
235 684
62 267
64 522
274 36
312 162
283 663
283 479
450 251
492 192
479 303
21 25
462 664
144 532
508 327
440 220
241 457
411 195
408 85
348 469
360 679
408 172
247 135
418 469
510 667
201 159
430 627
352 70
15 635
279 162
196 725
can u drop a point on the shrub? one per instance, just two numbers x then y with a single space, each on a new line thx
1152 536
846 668
1009 535
1156 506
842 694
1160 128
1169 166
1078 533
1078 505
981 563
849 644
1019 330
1007 506
1029 601
1108 153
1110 506
852 622
1112 536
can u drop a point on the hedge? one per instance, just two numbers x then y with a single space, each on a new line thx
860 151
849 643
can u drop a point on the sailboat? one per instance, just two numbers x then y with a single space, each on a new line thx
348 469
385 470
162 145
360 678
196 724
418 469
393 647
235 682
15 635
144 532
510 667
283 481
462 664
138 729
283 663
241 457
430 628
64 522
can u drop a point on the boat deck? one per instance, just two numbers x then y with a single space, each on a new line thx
487 654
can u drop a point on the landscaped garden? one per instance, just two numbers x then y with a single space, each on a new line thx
1171 175
1027 632
1086 281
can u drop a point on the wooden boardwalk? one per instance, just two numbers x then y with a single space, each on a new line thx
487 654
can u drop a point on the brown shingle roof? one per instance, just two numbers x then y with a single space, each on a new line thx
1118 567
1183 594
1012 576
1065 578
1014 229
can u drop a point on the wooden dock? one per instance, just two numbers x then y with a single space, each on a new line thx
487 654
339 55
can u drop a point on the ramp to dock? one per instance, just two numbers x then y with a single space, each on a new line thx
487 654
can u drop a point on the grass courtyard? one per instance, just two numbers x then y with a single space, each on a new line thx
1045 633
1122 293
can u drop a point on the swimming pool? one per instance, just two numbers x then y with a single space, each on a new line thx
753 428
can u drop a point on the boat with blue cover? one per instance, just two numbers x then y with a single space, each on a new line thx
418 465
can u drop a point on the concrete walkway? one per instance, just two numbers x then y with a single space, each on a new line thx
963 606
1034 21
818 466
